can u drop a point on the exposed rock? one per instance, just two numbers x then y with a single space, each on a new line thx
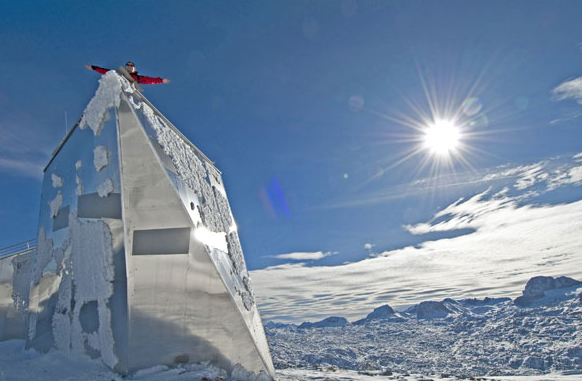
274 324
432 310
536 288
383 312
333 321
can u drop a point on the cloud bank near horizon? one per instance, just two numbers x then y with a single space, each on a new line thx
510 241
304 256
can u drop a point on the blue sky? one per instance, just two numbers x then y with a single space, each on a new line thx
310 110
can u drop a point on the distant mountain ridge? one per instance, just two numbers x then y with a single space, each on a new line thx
469 337
536 290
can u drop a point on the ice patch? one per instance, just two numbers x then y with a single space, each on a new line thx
79 189
78 164
110 86
56 204
100 158
57 181
105 188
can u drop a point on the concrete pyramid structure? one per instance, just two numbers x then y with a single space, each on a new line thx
138 260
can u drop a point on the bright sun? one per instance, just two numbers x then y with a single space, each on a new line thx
442 137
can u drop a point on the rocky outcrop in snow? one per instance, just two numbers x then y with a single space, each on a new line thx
333 321
536 288
432 310
384 312
437 310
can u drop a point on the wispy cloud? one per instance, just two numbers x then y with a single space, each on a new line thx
571 89
509 240
510 244
531 175
463 214
31 167
545 175
304 256
23 154
569 115
369 246
560 178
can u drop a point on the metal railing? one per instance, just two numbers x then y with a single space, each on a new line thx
18 248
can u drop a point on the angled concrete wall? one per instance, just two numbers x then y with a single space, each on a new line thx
138 259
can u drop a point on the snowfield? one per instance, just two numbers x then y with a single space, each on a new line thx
467 338
487 339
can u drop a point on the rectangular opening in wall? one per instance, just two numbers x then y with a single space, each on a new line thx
161 241
93 206
61 221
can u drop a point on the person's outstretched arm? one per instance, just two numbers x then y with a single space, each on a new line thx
145 80
98 69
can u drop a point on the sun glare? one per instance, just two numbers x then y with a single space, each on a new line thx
442 137
439 135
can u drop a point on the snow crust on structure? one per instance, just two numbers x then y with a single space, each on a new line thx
93 274
105 188
44 253
100 158
110 86
56 204
57 181
79 189
23 266
61 324
212 204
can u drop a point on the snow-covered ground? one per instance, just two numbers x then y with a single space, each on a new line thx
16 364
350 375
490 339
467 338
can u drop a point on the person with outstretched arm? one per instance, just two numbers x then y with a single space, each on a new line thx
130 67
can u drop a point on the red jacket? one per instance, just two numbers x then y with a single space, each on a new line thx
141 79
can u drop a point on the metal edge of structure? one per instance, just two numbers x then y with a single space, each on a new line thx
266 361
